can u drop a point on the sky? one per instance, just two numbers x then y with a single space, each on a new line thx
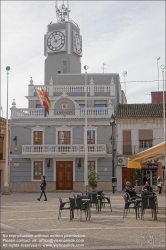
126 35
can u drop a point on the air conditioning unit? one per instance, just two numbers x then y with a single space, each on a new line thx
122 161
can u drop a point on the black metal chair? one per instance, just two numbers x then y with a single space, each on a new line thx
149 202
78 204
128 206
63 207
105 200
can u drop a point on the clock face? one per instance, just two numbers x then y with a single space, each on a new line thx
56 41
78 43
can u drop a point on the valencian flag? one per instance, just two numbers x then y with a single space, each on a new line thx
44 100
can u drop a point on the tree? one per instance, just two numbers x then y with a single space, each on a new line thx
93 179
137 176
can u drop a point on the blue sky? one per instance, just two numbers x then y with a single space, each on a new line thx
126 35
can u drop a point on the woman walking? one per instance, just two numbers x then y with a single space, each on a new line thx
43 188
159 182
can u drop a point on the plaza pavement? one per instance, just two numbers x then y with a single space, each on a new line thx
26 223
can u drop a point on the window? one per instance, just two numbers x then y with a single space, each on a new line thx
91 166
37 170
144 144
64 67
82 107
127 149
38 106
1 147
90 137
100 108
63 137
145 139
37 137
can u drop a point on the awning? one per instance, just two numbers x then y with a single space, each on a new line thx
156 152
133 164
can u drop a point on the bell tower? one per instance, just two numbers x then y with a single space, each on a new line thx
62 46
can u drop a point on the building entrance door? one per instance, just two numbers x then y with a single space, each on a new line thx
64 175
127 175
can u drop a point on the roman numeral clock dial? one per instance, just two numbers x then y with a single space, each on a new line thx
78 44
56 41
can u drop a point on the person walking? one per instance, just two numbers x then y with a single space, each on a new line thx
144 179
159 182
43 188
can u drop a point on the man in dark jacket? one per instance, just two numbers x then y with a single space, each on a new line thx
147 187
129 189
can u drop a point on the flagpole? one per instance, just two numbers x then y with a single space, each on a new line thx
86 149
6 189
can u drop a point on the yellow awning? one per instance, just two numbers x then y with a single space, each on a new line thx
133 164
155 152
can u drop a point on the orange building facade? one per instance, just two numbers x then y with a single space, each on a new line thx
3 152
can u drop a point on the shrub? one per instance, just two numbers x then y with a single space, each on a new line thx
137 176
92 179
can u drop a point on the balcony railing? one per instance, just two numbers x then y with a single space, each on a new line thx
38 113
76 149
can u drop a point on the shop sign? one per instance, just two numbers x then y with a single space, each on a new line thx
149 167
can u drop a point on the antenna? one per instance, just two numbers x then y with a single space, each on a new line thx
62 13
103 67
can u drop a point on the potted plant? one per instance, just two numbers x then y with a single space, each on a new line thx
92 179
137 176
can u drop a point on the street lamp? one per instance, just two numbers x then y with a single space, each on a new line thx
6 184
163 68
158 58
112 124
125 75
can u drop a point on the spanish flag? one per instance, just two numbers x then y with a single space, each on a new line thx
44 100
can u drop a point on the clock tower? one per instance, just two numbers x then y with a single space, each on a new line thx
62 46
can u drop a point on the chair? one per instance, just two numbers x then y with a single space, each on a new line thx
105 200
127 205
149 202
78 204
63 207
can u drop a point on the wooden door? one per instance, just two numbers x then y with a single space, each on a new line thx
64 175
127 175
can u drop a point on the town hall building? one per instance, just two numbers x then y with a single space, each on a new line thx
55 145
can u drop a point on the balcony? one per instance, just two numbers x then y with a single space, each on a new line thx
38 113
51 151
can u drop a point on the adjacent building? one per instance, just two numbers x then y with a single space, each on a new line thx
3 152
139 127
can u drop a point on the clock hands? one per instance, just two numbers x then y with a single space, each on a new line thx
56 40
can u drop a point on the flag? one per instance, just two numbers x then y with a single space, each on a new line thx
44 100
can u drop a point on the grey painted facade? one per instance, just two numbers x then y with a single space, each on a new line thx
67 94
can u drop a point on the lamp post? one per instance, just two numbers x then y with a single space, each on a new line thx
112 124
86 153
158 58
163 68
125 75
6 184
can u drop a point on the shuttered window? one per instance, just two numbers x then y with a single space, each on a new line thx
145 134
127 148
1 147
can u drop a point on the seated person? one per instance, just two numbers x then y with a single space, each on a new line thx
147 188
129 189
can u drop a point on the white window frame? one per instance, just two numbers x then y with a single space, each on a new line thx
91 128
62 129
32 168
37 128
